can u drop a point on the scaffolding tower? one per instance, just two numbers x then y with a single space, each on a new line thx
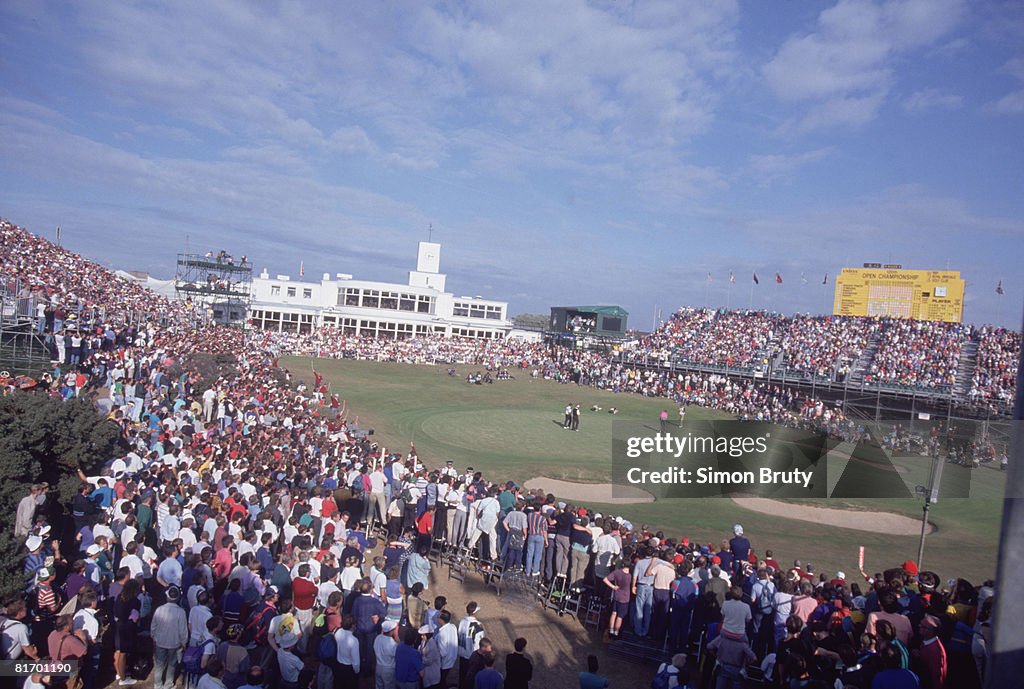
217 282
23 351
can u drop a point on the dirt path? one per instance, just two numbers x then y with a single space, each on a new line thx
875 522
592 492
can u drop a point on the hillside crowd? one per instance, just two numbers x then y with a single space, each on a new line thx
251 536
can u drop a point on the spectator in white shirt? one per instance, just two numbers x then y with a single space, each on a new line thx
346 671
384 647
448 642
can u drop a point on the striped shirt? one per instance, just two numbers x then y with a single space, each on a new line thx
537 524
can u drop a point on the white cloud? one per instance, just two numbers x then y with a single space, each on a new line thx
1012 103
770 168
931 99
852 111
847 65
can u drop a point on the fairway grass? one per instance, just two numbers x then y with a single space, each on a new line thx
512 430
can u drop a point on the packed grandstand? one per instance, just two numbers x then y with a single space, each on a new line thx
251 537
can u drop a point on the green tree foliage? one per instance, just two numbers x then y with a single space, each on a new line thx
44 439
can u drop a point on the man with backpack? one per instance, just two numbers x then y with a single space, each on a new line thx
672 675
762 605
257 629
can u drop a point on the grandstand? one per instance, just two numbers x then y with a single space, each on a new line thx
897 358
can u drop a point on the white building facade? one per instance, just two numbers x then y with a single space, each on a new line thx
377 309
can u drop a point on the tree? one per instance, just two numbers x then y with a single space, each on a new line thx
45 439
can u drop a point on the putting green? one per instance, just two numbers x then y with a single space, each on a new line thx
536 435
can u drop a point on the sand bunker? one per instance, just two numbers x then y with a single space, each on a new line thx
860 520
590 492
875 522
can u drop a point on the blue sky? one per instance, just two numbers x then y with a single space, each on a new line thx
564 152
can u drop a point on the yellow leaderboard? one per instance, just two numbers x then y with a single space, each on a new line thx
927 295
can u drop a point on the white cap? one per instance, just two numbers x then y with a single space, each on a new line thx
93 550
840 575
388 626
33 542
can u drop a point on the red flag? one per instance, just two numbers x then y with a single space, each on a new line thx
778 279
756 281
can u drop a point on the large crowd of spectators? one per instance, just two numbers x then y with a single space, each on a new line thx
918 353
252 537
994 383
825 346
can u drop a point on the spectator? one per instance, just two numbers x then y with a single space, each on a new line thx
384 649
518 667
408 661
590 679
170 636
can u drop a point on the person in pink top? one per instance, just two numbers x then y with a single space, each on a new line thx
805 602
891 611
223 560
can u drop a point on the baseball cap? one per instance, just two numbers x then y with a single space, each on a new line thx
93 550
840 575
561 505
173 593
388 626
33 542
910 567
43 573
425 629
